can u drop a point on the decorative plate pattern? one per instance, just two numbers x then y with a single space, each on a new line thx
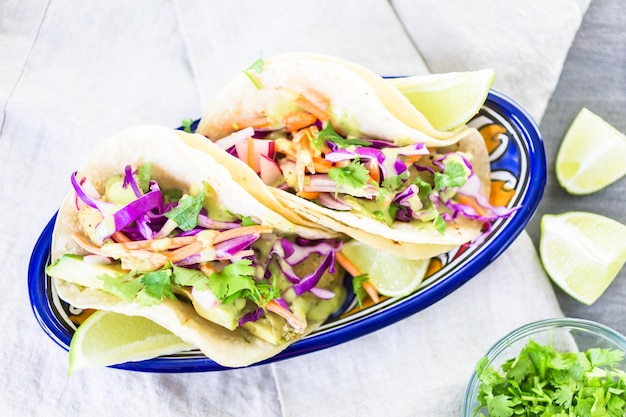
518 179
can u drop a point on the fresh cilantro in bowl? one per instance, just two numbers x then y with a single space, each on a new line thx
557 367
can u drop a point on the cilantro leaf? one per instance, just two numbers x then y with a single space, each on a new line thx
359 291
542 381
330 134
186 213
156 286
232 281
354 175
256 66
247 221
454 175
395 182
125 286
185 277
187 125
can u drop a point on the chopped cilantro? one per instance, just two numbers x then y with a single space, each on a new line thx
330 134
237 281
156 287
247 221
257 66
354 175
359 291
395 182
235 278
185 277
454 175
544 382
185 214
125 287
187 125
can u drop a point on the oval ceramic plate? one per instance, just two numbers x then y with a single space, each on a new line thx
518 179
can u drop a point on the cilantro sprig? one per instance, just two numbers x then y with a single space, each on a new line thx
185 214
235 281
330 134
354 175
541 381
358 289
256 66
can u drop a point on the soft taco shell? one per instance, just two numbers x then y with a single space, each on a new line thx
173 164
360 102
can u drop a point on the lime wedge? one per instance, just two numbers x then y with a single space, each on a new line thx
392 276
582 252
447 100
591 155
108 338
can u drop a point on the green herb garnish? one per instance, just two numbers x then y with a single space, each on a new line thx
544 382
185 214
237 281
354 175
358 289
453 175
257 66
330 134
187 125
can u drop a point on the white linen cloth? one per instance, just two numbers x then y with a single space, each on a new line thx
74 73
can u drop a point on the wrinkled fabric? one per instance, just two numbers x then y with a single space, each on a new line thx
74 73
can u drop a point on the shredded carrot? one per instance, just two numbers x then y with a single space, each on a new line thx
312 108
120 237
185 251
309 195
240 231
250 146
88 246
409 159
323 164
207 268
347 264
354 270
371 291
374 170
472 203
295 321
341 164
298 120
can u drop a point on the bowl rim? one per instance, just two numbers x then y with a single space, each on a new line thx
528 329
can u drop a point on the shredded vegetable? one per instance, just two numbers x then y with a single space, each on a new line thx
165 243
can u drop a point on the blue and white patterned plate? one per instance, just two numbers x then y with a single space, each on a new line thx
518 179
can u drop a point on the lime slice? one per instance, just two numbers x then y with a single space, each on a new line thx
591 155
582 252
108 338
392 276
447 100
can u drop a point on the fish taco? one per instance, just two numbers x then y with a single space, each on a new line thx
344 149
154 228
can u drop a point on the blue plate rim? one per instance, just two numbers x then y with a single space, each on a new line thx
537 173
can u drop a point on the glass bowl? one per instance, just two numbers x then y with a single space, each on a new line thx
565 334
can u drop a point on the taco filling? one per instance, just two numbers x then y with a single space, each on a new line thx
371 177
172 238
343 148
